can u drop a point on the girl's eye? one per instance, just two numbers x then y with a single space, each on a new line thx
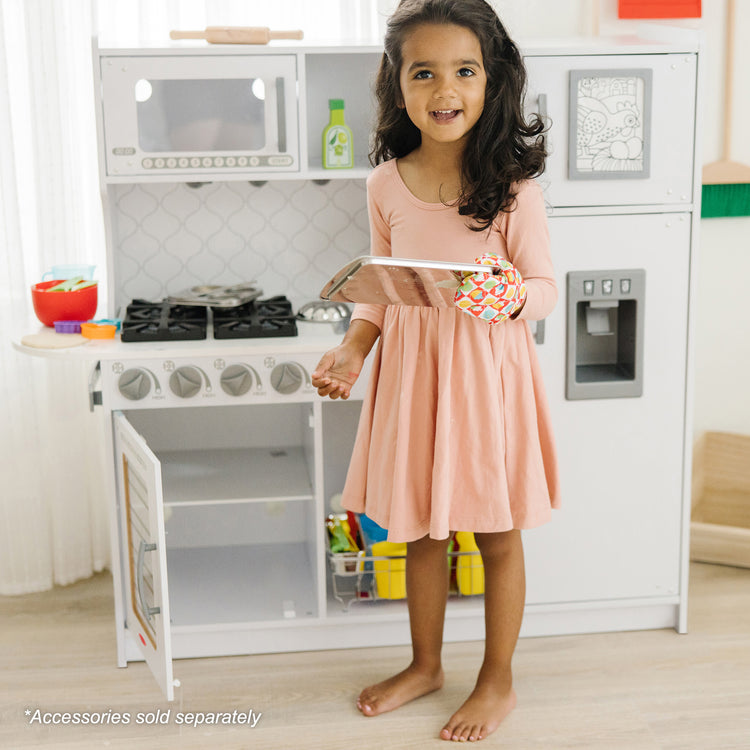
465 72
423 74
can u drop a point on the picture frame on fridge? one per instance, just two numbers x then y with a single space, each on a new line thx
609 129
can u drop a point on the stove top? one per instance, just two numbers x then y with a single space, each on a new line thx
166 321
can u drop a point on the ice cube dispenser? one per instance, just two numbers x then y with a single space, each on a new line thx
605 333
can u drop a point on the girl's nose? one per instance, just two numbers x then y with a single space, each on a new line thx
445 87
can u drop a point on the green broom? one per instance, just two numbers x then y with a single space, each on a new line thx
726 183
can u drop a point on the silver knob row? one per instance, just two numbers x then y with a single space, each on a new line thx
187 381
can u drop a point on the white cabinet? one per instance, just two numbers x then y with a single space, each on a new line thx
220 525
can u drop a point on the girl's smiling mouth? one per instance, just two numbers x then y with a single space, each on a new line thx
445 115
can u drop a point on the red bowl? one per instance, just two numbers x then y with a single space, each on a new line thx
51 306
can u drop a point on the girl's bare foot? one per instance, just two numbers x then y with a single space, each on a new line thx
399 689
482 713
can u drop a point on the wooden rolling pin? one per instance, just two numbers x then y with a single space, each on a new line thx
236 34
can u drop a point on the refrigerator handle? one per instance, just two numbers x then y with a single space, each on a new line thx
541 102
539 332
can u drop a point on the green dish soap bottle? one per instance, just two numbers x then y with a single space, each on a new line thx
337 139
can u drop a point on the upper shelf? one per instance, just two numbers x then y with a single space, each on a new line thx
312 74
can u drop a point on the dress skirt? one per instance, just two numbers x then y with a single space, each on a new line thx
455 431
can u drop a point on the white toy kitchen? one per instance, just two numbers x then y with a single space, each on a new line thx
225 460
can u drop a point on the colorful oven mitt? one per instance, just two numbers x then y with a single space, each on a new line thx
493 296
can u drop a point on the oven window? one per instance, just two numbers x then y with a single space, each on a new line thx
201 115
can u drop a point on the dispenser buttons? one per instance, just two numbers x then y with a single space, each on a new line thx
588 287
624 286
606 286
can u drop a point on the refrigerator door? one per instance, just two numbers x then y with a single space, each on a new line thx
142 525
617 534
621 127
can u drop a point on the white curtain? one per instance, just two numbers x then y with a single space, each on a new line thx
54 513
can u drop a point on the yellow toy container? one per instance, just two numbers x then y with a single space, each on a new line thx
390 575
469 568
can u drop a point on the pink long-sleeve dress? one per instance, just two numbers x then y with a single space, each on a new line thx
455 431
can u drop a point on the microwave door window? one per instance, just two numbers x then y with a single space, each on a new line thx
201 115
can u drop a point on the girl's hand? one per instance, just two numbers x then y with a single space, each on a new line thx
493 296
337 371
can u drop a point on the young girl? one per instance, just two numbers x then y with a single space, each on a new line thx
455 432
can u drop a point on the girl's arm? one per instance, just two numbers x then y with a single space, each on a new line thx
339 368
380 244
527 241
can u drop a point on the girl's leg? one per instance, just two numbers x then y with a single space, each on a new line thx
493 697
427 593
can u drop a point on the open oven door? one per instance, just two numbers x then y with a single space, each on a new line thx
142 524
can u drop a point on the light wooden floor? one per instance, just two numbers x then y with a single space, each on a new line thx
624 691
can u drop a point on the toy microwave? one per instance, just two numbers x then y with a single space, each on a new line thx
178 115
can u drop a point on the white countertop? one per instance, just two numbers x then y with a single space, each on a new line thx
115 349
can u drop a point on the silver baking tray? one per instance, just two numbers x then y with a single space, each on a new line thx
209 295
398 281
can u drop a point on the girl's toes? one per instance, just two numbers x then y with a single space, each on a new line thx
475 733
460 733
365 703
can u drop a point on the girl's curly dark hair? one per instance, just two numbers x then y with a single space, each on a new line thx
504 148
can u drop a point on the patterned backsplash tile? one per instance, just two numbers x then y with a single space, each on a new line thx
289 236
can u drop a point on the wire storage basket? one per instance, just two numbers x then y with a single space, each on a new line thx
361 577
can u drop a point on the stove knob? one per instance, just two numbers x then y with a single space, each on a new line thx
185 382
134 384
287 377
236 380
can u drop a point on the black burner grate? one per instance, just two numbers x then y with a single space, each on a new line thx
258 319
163 321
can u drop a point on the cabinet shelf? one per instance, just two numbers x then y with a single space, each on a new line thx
359 171
239 475
240 583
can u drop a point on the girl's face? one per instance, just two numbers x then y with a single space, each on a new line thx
442 81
